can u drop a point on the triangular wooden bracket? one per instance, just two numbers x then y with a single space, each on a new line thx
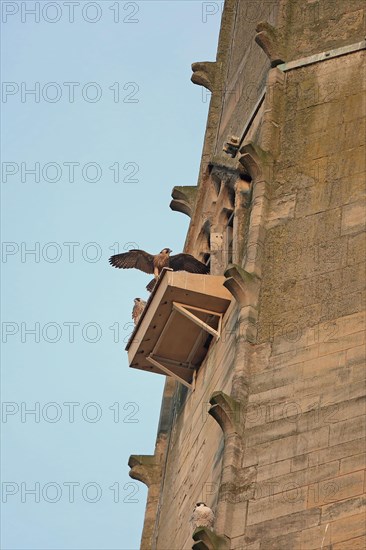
187 311
227 412
208 540
243 285
145 468
270 40
184 199
255 160
176 371
205 73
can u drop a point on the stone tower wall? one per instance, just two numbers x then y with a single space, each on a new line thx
272 437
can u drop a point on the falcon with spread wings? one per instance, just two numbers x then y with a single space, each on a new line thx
139 259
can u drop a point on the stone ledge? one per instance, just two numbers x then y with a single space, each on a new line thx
205 539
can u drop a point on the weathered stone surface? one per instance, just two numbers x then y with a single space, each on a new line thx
280 526
347 430
353 218
352 463
286 471
357 543
342 530
276 506
295 480
335 452
344 508
337 488
184 199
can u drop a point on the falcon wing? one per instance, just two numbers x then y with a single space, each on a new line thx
135 314
186 262
137 311
150 286
139 259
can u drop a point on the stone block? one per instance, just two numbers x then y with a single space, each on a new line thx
356 248
346 398
344 508
336 452
315 538
282 504
239 543
273 470
299 463
285 542
355 132
353 463
342 342
353 277
350 162
356 356
295 356
354 106
342 303
282 209
347 430
334 489
291 523
348 528
291 446
353 218
295 480
358 543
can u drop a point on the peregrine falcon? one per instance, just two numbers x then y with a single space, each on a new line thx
138 308
139 259
202 516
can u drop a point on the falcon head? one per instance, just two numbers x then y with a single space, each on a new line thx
166 251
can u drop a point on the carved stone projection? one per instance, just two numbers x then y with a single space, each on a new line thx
229 193
147 469
227 412
206 74
223 169
208 540
184 199
255 161
243 193
243 286
259 164
271 41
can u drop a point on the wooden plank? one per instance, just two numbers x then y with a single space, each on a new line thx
195 319
168 372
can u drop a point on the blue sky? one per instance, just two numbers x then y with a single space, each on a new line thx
66 314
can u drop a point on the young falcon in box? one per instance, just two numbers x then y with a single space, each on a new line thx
138 308
139 259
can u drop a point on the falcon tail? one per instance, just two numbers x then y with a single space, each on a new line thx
150 287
